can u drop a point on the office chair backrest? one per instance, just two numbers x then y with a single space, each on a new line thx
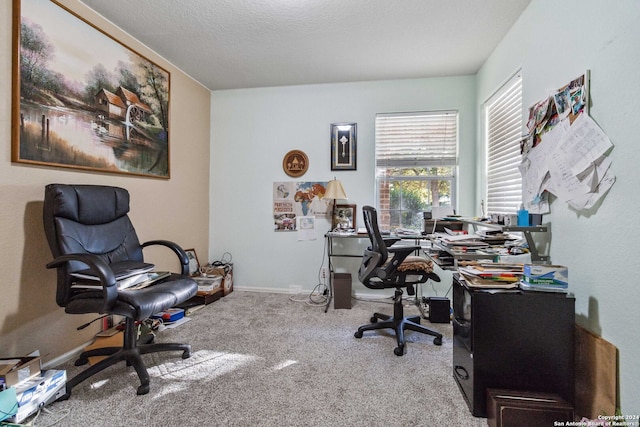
88 219
375 255
371 222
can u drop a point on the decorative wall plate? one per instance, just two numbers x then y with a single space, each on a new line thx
295 163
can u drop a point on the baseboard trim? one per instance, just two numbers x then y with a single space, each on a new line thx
63 358
359 294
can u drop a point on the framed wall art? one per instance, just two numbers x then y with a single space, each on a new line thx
344 218
343 146
295 163
83 100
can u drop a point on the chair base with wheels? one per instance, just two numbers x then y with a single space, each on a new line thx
399 323
131 352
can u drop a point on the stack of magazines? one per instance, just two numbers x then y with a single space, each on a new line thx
492 275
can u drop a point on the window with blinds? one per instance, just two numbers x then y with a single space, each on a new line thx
503 124
416 158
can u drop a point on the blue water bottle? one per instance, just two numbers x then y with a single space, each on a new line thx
523 217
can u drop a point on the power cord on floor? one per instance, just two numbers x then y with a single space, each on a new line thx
32 422
317 297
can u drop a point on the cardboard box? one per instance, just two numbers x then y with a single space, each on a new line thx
15 370
115 340
547 275
38 392
208 285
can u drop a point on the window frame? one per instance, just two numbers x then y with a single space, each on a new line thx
449 142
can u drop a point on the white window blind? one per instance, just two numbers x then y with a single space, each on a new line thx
503 124
416 139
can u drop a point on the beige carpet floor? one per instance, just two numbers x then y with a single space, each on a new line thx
264 359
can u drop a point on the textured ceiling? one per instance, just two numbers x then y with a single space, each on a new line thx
228 44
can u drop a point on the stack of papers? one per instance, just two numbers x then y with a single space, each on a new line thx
492 275
468 240
129 275
121 270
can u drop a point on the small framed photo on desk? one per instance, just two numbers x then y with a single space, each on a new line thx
344 218
194 265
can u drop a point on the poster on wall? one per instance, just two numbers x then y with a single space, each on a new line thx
298 199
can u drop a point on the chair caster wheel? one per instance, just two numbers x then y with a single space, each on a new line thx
437 340
374 319
143 389
358 334
186 354
399 350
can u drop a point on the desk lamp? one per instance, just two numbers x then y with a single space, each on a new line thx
335 191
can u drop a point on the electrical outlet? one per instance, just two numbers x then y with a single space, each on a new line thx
324 272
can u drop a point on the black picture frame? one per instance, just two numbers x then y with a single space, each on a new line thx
344 218
343 146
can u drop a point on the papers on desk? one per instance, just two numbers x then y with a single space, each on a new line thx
466 240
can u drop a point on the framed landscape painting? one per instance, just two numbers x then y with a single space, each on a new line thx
83 100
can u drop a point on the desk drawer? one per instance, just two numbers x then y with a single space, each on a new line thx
463 370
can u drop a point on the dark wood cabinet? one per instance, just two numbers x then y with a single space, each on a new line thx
514 340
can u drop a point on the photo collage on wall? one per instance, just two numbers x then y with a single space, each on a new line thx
293 201
565 152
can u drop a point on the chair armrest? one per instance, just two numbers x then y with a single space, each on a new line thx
402 250
388 241
103 271
177 249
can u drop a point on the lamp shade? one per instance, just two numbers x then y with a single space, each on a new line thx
335 190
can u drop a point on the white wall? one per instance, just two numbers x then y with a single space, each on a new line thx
554 42
252 129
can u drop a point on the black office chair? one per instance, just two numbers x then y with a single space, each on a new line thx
401 270
88 226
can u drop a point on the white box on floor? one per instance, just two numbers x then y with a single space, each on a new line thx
38 392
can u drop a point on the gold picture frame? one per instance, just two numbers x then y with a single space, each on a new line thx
83 100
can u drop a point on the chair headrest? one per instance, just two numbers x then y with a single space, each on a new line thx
88 204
